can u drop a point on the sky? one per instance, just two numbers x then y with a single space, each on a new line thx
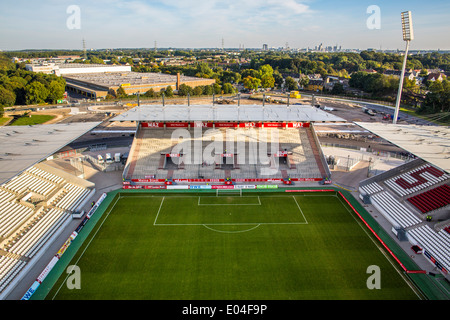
352 24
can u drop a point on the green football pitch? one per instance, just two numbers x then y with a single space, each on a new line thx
259 246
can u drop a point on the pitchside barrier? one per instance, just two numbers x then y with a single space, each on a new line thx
55 269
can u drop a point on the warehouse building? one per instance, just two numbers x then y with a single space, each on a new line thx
95 81
74 68
98 85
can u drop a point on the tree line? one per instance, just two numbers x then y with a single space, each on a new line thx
21 87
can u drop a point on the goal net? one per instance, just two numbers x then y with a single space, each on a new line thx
229 192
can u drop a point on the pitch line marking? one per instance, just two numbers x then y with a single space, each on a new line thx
306 221
222 231
160 206
228 224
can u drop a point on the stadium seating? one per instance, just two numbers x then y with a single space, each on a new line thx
394 210
416 180
9 268
432 199
146 155
39 232
33 206
371 188
436 243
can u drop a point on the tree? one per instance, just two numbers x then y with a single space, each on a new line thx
216 88
169 92
120 93
338 88
230 76
304 80
265 70
7 97
197 91
290 84
35 93
150 93
228 88
250 73
267 81
251 83
437 99
208 90
184 90
56 91
278 78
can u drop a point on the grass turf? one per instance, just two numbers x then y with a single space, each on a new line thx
287 247
32 120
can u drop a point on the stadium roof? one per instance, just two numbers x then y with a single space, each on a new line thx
430 143
220 113
24 146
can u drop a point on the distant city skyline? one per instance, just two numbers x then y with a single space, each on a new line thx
53 24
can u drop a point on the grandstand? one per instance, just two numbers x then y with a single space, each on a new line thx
154 154
34 206
407 196
270 144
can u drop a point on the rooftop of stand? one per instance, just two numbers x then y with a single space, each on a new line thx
232 113
24 146
430 143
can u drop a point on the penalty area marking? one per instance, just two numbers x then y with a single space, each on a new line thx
239 231
306 221
230 224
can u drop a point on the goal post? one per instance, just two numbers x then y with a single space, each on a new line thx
229 192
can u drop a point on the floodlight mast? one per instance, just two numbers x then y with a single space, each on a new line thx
408 35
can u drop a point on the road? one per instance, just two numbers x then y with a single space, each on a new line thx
378 108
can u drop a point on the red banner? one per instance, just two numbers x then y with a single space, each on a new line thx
225 124
201 124
152 124
198 180
148 180
250 125
298 125
273 125
177 124
280 154
222 187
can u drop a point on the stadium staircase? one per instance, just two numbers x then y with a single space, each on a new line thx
317 155
134 154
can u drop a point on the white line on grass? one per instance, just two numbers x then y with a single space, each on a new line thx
233 223
228 224
160 206
300 209
222 231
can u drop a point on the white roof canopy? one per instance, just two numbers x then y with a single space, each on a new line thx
430 143
218 113
24 146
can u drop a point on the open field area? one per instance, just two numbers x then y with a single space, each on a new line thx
275 246
32 120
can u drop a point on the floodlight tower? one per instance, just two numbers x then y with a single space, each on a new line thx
408 35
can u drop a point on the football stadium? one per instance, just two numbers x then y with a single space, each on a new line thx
223 202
